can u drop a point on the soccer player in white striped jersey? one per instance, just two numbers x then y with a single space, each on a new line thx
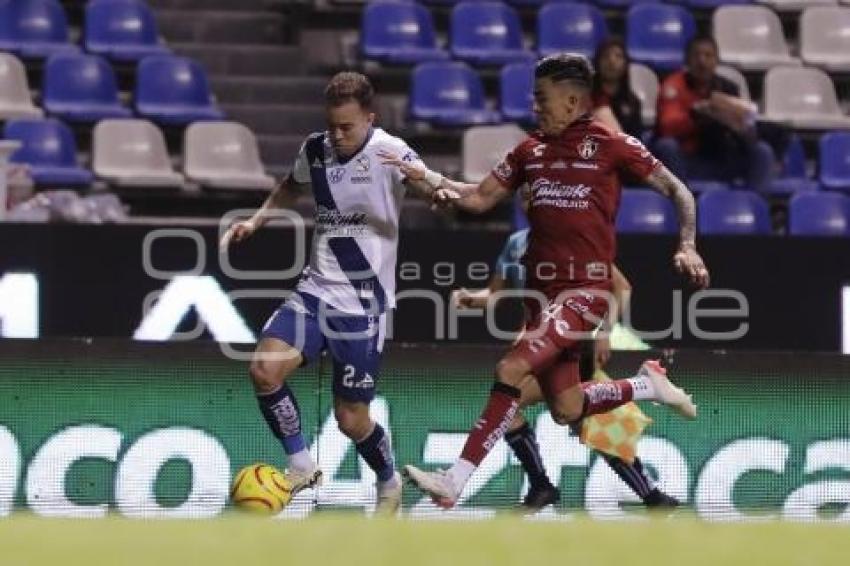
341 301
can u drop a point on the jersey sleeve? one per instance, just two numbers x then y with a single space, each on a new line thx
407 155
633 158
301 167
510 171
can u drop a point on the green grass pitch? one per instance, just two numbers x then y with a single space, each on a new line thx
351 541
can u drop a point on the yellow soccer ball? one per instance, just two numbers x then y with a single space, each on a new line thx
261 489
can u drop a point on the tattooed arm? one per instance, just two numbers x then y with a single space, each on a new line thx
686 260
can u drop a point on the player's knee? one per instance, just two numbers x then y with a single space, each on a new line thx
566 414
353 422
266 377
511 371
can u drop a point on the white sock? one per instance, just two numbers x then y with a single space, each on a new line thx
642 388
301 461
459 474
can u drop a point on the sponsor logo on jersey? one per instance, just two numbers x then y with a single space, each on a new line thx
560 164
583 165
328 219
337 174
554 193
588 147
362 180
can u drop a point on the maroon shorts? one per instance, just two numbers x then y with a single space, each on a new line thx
551 339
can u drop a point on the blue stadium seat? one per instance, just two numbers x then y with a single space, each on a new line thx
48 147
34 29
620 4
399 32
656 35
565 26
794 176
449 94
487 33
123 30
643 211
173 90
732 212
816 213
516 87
81 88
835 161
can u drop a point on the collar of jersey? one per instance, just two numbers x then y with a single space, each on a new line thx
343 161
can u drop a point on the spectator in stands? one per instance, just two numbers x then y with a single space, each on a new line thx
614 102
705 129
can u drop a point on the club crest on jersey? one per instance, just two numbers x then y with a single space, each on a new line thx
337 174
362 164
587 148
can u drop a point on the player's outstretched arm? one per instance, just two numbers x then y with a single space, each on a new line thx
282 196
471 197
687 261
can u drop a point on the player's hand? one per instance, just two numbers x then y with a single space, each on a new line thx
602 351
689 263
237 232
412 171
445 197
462 299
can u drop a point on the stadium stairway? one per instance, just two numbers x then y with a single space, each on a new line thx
257 70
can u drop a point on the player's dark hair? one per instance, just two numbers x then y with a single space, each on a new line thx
698 39
571 67
347 86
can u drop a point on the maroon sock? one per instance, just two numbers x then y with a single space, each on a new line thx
494 421
602 396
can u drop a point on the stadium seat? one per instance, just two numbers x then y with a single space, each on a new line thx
81 88
34 29
484 146
224 155
815 213
796 5
643 211
15 99
122 30
825 38
132 153
802 97
835 161
710 4
734 75
399 32
487 33
644 83
48 147
621 4
656 35
516 88
565 26
732 212
794 175
449 94
173 90
750 37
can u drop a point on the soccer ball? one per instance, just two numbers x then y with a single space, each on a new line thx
261 489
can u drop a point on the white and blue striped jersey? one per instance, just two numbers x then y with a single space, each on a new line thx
358 202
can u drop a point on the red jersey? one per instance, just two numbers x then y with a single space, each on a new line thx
574 179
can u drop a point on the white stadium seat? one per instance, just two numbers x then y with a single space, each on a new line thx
736 77
132 153
750 37
802 97
796 5
224 155
644 83
484 146
15 99
825 38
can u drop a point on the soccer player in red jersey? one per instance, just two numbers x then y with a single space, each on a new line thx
573 166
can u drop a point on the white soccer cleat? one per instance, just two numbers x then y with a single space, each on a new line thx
389 497
666 392
300 480
436 484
